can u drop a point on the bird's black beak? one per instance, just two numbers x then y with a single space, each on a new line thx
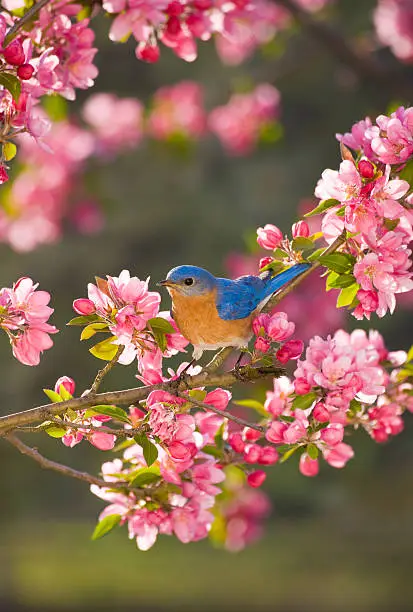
164 283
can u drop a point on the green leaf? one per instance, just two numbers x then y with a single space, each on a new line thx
92 329
150 452
9 150
322 206
288 454
407 173
331 278
304 401
315 255
12 83
302 244
219 437
210 449
145 477
274 266
197 394
312 451
342 281
106 525
355 407
52 395
162 325
54 431
64 393
105 350
112 411
280 254
347 295
84 320
254 404
338 262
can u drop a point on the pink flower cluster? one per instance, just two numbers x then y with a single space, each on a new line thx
276 328
393 20
369 200
242 122
341 376
84 423
24 313
126 306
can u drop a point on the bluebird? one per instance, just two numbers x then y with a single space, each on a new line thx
215 312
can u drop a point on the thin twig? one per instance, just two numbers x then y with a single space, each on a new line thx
62 469
222 413
102 373
218 359
33 10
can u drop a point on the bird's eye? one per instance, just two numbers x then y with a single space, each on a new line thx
189 281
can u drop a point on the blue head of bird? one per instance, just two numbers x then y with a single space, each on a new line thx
189 281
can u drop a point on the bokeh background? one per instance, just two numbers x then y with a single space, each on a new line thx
342 541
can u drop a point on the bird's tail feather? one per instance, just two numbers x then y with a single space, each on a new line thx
284 277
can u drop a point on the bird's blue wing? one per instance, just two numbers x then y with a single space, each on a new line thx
237 299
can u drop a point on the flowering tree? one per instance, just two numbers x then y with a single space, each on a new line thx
187 463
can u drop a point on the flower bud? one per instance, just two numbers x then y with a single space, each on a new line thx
4 177
174 8
264 261
300 229
333 434
269 237
320 413
67 382
252 453
290 350
366 169
173 26
147 52
301 386
236 442
25 72
84 306
268 455
262 345
255 479
252 435
308 466
14 53
103 441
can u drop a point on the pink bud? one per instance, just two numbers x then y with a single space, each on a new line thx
300 229
251 435
333 434
147 52
268 455
260 323
14 53
262 344
252 453
301 386
366 169
236 442
84 306
264 261
67 382
202 5
174 8
320 413
269 237
4 177
308 466
173 26
279 327
275 433
136 415
103 441
290 350
25 72
255 479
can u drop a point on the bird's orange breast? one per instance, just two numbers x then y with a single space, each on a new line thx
198 320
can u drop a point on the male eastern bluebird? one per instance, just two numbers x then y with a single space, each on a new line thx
215 312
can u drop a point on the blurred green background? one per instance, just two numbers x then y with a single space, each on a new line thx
342 541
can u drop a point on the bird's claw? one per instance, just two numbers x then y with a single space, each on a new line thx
239 373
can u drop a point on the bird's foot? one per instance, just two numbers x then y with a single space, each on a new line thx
239 370
182 377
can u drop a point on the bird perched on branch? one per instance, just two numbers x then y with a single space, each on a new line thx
215 312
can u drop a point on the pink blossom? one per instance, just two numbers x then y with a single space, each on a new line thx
103 441
308 466
256 479
393 19
280 399
290 350
269 237
338 455
67 382
279 328
300 229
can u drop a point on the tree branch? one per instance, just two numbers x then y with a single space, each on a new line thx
25 19
102 373
131 396
62 469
